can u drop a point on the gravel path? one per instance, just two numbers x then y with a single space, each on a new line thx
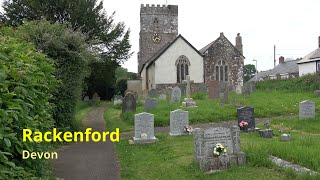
88 160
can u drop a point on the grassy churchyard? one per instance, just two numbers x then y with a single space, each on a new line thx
173 157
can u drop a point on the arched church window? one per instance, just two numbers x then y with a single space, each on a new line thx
222 71
182 64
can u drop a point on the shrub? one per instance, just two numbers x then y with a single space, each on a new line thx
26 85
70 52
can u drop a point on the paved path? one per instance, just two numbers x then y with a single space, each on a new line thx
88 160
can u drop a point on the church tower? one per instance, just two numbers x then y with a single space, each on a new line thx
158 26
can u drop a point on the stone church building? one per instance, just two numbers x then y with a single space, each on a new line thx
165 57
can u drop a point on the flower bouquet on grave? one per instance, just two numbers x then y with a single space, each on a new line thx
243 125
219 149
188 129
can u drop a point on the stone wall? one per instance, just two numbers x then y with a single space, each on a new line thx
222 49
134 86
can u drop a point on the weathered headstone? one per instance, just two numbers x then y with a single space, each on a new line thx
285 137
129 103
118 97
224 93
117 102
86 98
306 109
176 95
188 102
206 140
213 87
162 97
183 87
150 104
179 119
202 87
95 99
168 92
266 133
143 129
153 93
317 93
246 114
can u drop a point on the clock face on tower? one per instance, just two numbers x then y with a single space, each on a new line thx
156 38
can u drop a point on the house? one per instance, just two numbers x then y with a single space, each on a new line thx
284 70
311 62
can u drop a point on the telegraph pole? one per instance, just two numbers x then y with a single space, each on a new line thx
274 55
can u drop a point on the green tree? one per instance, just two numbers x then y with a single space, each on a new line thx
26 87
71 54
88 16
249 71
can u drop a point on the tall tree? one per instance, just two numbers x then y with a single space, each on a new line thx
249 71
87 16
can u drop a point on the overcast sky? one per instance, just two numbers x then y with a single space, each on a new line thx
292 25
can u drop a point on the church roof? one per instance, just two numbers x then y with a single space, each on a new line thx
164 48
204 49
313 56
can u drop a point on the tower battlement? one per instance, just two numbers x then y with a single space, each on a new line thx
158 9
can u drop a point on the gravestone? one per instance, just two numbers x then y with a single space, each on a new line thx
188 102
116 97
117 102
205 141
179 119
129 103
86 98
168 92
213 87
183 87
95 99
306 109
203 87
143 129
246 114
150 104
317 93
163 97
153 93
224 93
176 95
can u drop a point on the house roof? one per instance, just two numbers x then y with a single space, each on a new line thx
313 56
289 67
164 48
204 49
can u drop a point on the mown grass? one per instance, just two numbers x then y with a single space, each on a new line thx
266 104
172 158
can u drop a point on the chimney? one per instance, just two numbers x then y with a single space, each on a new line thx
281 59
319 42
239 43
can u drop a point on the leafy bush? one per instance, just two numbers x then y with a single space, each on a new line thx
71 54
121 86
26 85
